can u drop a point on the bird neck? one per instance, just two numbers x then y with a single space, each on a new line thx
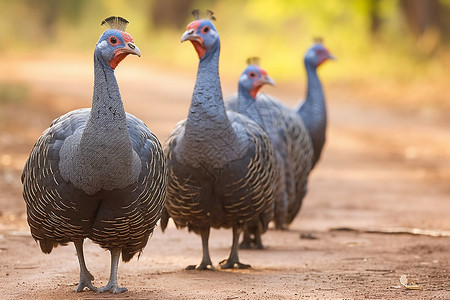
209 139
207 115
107 105
313 110
106 134
101 157
246 105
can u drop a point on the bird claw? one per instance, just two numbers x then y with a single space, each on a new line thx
228 264
86 282
201 267
113 289
88 285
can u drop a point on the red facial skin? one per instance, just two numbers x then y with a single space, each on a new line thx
121 53
323 57
197 41
257 85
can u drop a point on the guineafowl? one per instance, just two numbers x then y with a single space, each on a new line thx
312 113
289 137
313 109
221 165
97 173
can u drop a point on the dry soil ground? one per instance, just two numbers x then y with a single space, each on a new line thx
381 171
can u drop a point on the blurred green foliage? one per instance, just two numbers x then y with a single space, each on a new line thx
371 38
13 92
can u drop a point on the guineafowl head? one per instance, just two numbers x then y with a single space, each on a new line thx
202 34
115 44
317 55
254 77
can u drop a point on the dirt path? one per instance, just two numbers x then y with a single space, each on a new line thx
380 171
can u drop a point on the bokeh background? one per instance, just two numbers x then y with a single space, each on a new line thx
392 52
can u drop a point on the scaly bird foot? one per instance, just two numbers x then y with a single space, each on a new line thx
113 288
228 264
201 267
86 282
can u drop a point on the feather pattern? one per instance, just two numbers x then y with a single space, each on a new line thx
57 216
221 165
96 173
293 147
302 131
222 197
300 156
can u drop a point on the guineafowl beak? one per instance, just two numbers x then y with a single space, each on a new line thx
188 35
191 36
121 53
130 48
196 40
267 80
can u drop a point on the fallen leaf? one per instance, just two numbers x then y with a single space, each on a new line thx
404 282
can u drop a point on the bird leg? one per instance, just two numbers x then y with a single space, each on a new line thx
86 277
247 241
112 285
252 238
206 263
233 260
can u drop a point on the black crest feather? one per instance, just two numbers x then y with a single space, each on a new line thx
318 40
253 61
118 23
200 15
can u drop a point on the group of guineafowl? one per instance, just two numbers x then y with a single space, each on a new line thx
100 173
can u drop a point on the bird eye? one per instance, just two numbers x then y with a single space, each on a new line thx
252 74
205 29
113 40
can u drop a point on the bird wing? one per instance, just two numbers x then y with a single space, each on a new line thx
255 187
300 156
47 196
299 152
153 178
129 216
240 191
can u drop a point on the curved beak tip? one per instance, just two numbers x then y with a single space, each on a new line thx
269 80
187 35
133 49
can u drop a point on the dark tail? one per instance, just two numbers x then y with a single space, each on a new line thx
164 219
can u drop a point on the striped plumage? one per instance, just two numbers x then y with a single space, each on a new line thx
305 128
97 173
59 213
300 155
221 166
243 186
289 138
